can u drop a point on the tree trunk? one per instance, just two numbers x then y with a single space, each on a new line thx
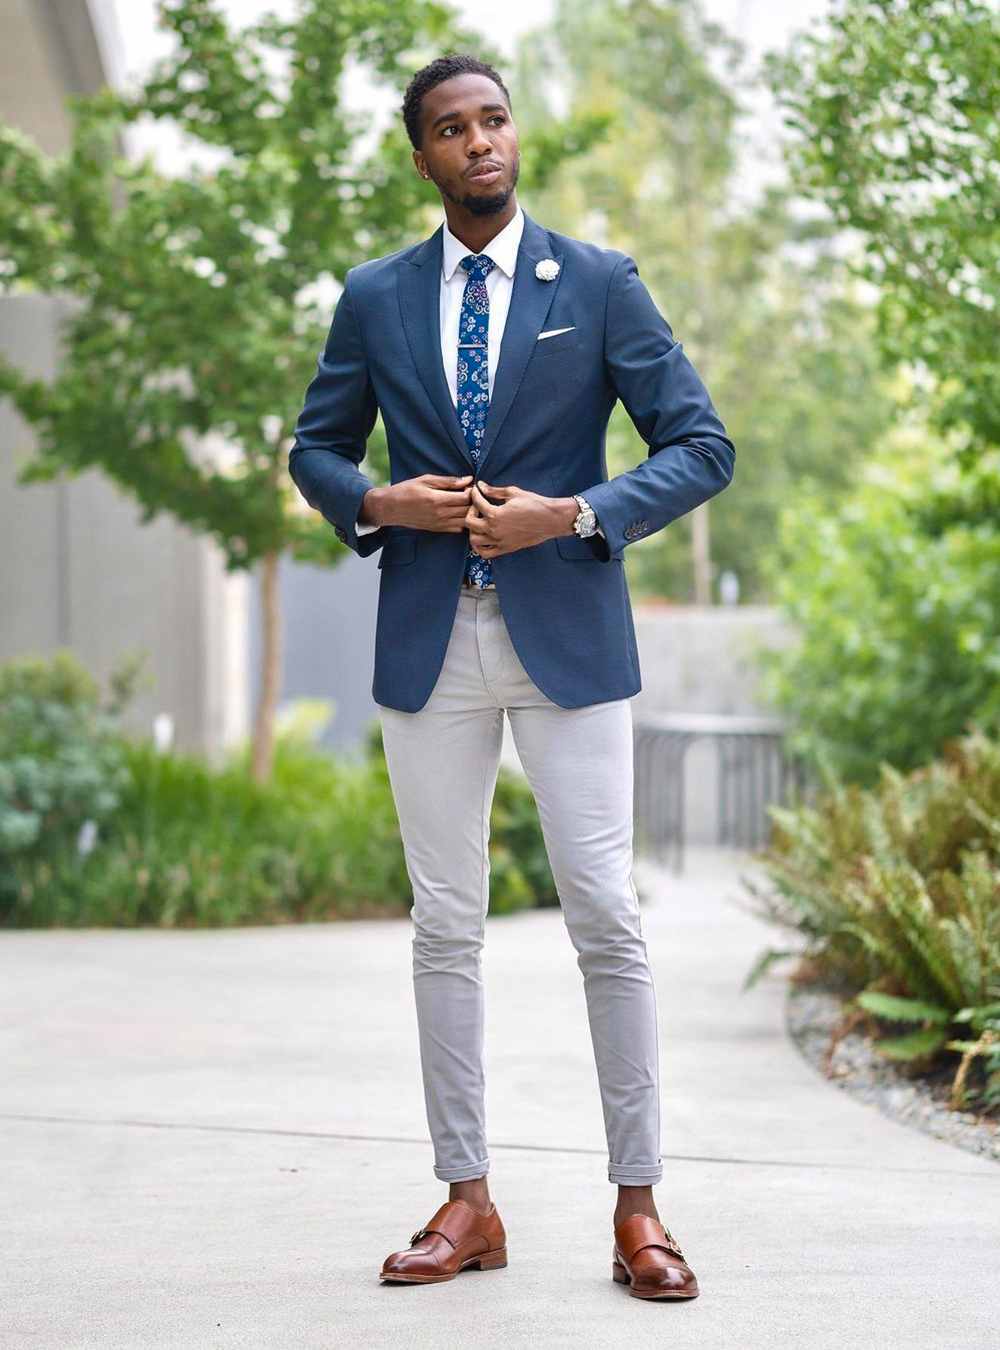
701 555
270 683
694 212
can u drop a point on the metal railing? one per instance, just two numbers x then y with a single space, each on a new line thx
753 769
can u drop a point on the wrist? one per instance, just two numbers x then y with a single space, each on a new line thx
372 510
564 511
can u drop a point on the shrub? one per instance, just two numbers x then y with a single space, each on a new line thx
183 843
897 618
896 891
61 764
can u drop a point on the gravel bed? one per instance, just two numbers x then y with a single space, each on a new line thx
812 1015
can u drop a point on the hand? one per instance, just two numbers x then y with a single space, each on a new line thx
432 501
522 519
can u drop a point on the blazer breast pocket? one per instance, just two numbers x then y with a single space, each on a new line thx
402 548
558 342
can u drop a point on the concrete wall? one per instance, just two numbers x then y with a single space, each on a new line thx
699 658
48 49
329 622
78 570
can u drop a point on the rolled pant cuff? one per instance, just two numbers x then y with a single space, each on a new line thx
468 1172
635 1176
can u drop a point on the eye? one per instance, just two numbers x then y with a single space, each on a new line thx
453 126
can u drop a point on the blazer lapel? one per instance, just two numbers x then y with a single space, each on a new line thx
419 290
419 293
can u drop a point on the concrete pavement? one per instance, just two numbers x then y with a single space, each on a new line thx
211 1139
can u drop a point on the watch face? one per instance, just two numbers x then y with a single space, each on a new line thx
586 522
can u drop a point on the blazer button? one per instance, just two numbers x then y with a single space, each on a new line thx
644 525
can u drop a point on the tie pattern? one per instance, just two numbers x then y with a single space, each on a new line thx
473 379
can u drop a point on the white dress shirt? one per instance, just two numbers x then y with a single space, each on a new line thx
502 248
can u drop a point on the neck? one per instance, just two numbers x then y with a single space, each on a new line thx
475 232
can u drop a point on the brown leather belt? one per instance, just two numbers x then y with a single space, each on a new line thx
470 584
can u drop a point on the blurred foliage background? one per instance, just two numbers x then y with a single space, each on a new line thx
843 313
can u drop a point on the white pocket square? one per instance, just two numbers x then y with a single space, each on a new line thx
551 332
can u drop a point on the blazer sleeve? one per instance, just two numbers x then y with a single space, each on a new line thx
690 456
332 430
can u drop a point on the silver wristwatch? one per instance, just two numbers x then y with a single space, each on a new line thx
586 522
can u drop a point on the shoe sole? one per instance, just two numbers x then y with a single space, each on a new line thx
488 1261
621 1276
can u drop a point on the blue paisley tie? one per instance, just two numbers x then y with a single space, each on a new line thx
473 379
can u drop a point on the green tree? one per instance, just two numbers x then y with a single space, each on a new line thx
895 106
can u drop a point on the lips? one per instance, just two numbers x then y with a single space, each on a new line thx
485 171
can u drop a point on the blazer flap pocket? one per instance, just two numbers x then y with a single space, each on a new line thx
400 549
575 546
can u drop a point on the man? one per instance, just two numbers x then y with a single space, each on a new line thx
499 340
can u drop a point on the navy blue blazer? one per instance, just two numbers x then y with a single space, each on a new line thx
565 601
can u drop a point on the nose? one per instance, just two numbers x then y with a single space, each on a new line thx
479 143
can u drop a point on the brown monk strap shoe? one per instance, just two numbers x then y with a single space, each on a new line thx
647 1257
457 1236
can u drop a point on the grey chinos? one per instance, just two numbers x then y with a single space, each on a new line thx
443 763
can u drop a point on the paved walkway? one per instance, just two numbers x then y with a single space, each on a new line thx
212 1139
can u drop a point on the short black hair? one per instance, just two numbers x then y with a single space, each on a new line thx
442 68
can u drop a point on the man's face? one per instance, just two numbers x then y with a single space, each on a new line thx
467 126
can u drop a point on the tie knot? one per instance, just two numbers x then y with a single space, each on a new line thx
478 265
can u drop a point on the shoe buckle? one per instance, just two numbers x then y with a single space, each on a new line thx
672 1243
418 1234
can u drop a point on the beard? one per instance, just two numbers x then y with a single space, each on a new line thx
487 204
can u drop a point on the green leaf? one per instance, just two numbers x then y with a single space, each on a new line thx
917 1043
763 964
972 1047
895 1009
978 1014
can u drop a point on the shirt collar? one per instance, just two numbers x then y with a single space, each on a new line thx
502 248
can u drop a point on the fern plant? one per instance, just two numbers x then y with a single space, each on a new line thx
933 1035
894 892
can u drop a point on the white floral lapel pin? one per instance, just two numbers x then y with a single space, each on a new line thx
547 269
